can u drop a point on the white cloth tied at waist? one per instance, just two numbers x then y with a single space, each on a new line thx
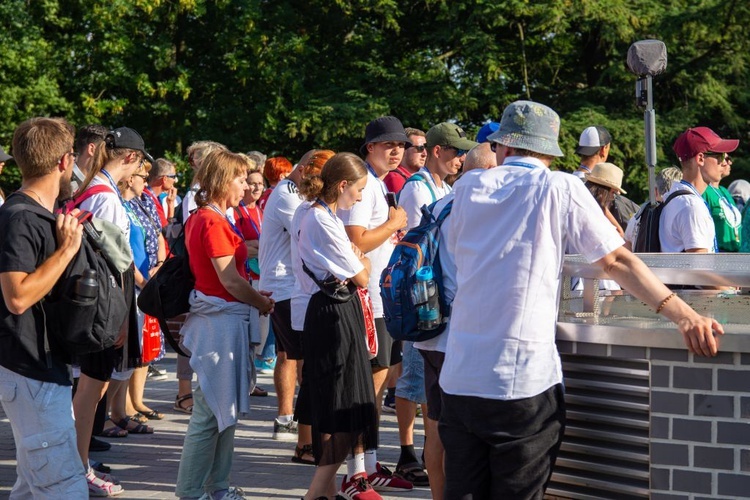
216 333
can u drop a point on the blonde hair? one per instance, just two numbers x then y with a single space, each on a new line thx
217 171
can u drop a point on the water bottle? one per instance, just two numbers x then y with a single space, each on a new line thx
426 299
86 287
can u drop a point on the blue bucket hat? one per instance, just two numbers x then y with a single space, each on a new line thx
531 126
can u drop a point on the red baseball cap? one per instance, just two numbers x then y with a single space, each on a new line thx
698 140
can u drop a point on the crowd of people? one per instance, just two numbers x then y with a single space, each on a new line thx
287 260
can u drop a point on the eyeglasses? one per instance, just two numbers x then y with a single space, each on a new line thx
171 176
719 157
459 152
142 176
420 149
71 153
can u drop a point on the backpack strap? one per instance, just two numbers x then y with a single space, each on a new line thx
419 176
91 191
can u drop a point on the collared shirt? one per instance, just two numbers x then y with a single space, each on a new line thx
508 232
686 222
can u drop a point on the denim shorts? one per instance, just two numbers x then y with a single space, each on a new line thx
410 385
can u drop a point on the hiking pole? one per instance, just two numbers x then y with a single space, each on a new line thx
646 59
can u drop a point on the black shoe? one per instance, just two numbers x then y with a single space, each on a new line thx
98 445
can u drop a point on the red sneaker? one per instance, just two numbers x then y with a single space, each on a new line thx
384 480
358 488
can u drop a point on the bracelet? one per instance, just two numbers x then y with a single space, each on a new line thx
159 262
664 302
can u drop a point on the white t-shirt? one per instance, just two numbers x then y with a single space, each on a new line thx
275 244
300 298
370 213
448 266
415 194
508 231
107 206
686 222
188 203
326 250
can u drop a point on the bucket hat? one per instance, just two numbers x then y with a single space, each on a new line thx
531 126
384 129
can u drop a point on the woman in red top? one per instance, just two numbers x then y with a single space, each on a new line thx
216 329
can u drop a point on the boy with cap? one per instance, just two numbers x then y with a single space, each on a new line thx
510 225
372 225
686 224
447 146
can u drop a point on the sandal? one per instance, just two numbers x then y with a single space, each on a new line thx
259 391
138 417
414 473
150 415
299 455
101 488
183 408
138 429
113 432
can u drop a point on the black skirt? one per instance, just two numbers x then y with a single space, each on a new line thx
337 395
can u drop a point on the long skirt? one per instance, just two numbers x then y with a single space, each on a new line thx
337 388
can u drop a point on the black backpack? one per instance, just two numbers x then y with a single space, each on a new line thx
646 238
83 326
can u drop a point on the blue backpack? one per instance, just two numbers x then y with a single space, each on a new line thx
419 177
418 248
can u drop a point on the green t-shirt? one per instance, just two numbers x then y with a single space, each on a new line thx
727 219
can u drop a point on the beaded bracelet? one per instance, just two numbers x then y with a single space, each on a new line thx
664 302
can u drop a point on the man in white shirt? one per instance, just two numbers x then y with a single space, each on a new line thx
447 146
686 224
372 225
507 233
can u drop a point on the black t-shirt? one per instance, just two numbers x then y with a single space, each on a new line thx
26 241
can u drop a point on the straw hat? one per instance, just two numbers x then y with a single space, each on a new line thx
608 175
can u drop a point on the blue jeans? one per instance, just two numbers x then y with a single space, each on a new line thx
206 453
41 416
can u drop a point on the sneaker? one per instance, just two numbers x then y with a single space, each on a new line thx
101 488
232 493
358 488
98 445
284 432
384 480
265 366
389 403
156 373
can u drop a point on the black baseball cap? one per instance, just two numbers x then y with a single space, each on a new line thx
127 138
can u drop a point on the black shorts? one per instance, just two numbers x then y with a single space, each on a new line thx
287 340
389 352
433 364
99 365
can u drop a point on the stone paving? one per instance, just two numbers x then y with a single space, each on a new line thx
146 465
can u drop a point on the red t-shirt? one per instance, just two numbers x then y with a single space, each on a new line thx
396 179
209 235
261 203
248 222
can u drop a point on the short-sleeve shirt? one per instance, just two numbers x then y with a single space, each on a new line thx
248 221
326 250
395 179
275 244
107 205
685 222
727 219
370 213
209 235
26 241
417 193
508 232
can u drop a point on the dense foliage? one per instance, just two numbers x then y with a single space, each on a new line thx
283 76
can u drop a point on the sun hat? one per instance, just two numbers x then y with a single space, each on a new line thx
592 139
698 140
531 126
384 129
448 134
607 175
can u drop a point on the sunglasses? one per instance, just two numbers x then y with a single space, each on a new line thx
142 176
719 157
420 149
171 176
459 152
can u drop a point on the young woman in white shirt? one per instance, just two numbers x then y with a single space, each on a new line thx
339 384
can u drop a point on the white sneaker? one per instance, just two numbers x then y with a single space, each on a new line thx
284 432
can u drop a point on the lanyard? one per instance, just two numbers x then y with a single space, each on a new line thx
244 209
382 186
113 184
234 228
584 167
325 205
695 192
